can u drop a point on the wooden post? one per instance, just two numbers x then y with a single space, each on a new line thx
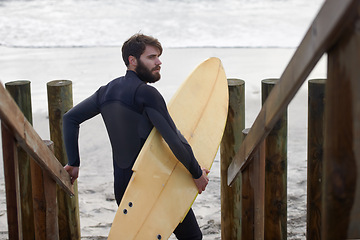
12 185
316 104
60 101
247 202
276 173
253 195
45 204
230 144
341 175
27 138
257 171
20 91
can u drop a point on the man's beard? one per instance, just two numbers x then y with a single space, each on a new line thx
145 74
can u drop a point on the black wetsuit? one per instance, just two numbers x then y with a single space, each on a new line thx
130 109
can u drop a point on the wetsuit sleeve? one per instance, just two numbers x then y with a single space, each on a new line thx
156 110
71 125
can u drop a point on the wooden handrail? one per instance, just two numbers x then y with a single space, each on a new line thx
327 27
30 141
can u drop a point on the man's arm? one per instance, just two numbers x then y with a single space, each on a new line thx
177 143
71 125
158 114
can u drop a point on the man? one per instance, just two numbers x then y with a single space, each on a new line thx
130 108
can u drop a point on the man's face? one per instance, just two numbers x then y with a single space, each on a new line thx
148 66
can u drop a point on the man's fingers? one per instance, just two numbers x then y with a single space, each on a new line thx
73 172
73 180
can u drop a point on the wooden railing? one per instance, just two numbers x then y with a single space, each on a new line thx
17 131
335 31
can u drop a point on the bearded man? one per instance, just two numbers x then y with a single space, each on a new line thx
130 108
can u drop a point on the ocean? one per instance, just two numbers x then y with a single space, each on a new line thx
176 23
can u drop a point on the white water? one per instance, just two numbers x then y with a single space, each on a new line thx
176 23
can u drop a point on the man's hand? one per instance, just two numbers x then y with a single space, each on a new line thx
73 172
202 181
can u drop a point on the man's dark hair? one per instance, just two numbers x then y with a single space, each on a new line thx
135 46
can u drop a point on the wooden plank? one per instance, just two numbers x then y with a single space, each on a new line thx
31 142
39 202
52 226
341 164
45 204
258 177
12 185
253 196
323 33
260 204
247 205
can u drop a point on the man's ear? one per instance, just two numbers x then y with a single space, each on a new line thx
132 61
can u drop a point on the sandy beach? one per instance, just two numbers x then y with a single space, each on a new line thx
90 68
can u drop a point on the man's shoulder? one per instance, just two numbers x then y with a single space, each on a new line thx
146 89
149 96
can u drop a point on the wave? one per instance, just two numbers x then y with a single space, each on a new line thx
119 46
201 23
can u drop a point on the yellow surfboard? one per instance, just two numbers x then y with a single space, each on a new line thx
161 190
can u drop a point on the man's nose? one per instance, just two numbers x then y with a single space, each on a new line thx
158 62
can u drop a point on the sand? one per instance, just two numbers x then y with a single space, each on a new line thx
89 68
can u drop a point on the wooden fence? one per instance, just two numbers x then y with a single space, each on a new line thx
335 31
32 172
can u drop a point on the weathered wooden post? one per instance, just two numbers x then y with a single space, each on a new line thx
59 102
253 195
45 204
232 138
247 203
12 185
275 173
20 91
316 104
341 175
